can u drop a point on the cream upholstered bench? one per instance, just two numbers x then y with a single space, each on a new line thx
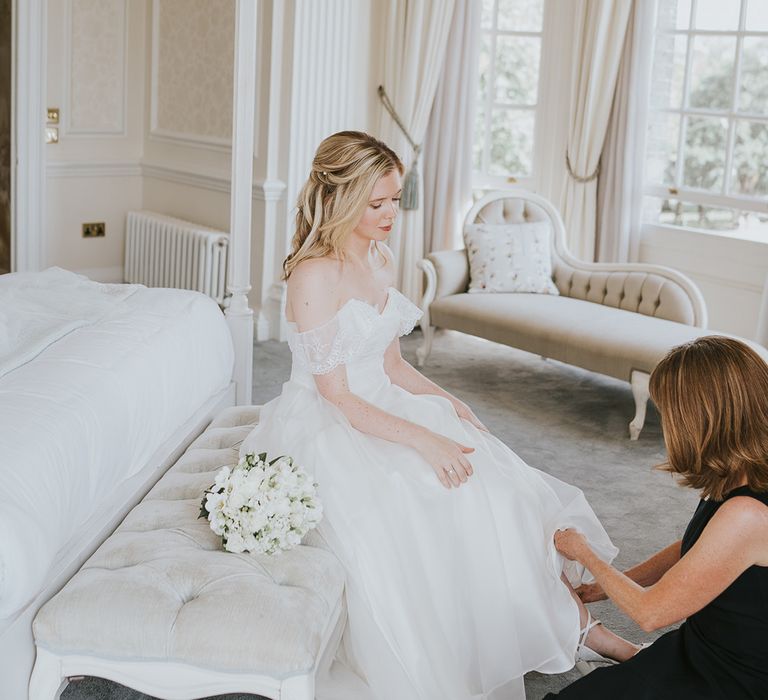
161 608
615 319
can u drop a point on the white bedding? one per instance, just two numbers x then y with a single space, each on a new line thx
105 389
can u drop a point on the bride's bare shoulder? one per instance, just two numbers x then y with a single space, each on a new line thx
314 285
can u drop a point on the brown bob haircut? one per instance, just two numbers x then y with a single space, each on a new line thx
713 397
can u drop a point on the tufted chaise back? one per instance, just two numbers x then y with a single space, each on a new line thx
644 292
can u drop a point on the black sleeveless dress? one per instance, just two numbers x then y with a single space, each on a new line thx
719 652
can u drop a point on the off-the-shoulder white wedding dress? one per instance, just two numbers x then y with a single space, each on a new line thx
451 594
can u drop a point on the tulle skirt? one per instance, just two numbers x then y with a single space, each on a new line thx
451 594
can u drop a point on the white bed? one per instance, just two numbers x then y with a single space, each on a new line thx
101 388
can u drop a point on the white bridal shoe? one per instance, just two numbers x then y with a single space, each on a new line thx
587 660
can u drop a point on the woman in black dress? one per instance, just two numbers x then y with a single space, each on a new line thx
712 394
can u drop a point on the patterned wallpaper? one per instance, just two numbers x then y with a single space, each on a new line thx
195 55
97 66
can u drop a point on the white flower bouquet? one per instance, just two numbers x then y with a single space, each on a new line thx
260 505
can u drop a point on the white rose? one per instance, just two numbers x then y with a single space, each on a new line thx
234 543
221 478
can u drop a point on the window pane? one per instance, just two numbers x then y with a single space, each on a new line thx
683 15
511 142
486 19
674 212
663 135
521 15
517 69
704 153
484 65
722 15
750 156
668 71
757 16
712 72
753 96
674 14
478 138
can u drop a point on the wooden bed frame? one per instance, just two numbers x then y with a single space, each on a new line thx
17 649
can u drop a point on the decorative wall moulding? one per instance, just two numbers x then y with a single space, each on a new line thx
192 46
94 169
79 103
263 190
216 183
211 143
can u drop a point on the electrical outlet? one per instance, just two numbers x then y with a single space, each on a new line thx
96 229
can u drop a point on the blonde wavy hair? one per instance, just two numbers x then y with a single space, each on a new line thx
344 171
712 395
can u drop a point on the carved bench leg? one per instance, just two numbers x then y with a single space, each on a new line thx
639 382
47 682
422 352
298 688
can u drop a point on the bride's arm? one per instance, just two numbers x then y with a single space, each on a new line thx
405 375
313 301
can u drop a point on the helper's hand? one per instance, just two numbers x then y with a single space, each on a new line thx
446 457
465 412
570 543
591 593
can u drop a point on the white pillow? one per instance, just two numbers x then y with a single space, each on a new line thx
509 257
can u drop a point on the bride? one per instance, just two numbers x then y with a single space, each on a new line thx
454 587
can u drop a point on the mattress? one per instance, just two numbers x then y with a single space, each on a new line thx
93 379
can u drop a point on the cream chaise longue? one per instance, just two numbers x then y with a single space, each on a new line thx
615 319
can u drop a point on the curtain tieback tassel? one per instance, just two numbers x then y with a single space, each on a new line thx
409 199
581 178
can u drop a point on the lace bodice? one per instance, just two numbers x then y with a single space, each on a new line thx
358 331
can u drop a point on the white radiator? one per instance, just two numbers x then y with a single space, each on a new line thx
161 251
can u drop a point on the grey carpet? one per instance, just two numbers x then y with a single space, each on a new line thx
566 421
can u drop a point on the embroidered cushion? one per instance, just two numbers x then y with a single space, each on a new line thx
509 257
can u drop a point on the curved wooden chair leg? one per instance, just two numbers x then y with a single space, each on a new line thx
640 392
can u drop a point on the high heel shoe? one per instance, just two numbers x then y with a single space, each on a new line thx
587 660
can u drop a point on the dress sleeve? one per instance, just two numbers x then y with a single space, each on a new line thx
323 349
408 312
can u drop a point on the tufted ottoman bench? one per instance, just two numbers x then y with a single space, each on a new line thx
161 608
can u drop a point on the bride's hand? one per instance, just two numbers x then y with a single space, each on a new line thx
465 412
446 457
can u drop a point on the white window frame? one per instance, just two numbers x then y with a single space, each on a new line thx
679 191
482 179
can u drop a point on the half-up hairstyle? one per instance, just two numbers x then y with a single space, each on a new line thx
712 394
345 169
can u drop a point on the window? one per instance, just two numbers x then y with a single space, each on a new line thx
507 91
707 161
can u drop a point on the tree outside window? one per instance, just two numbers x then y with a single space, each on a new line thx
507 91
708 135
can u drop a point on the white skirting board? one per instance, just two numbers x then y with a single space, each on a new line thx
17 649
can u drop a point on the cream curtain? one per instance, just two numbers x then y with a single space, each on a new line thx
599 32
620 185
415 45
447 155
